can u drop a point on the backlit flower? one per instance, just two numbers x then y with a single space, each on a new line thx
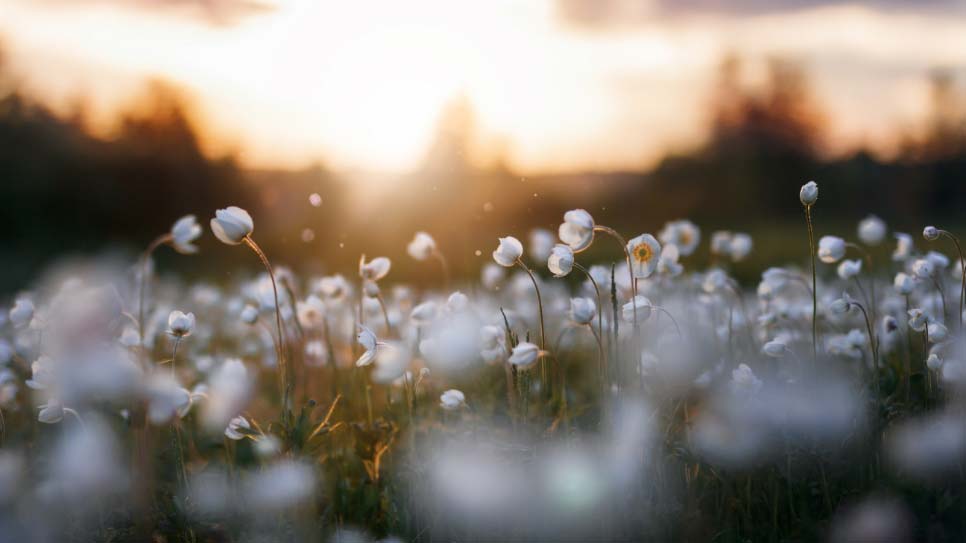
561 260
452 400
524 355
577 230
849 268
643 309
808 194
831 249
645 253
872 230
422 246
583 310
232 225
183 233
508 252
180 324
682 234
375 269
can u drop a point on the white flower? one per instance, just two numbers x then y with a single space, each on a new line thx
229 390
740 246
166 399
917 319
583 310
232 225
457 302
423 314
714 280
42 373
668 264
808 193
422 246
235 425
183 233
509 251
939 261
334 288
774 348
392 361
51 413
744 380
541 243
367 338
22 312
682 234
721 243
375 269
129 337
872 230
452 400
180 324
524 355
904 247
849 269
645 253
840 306
903 283
931 233
934 362
492 344
937 332
249 314
561 260
923 269
643 306
831 249
311 312
577 230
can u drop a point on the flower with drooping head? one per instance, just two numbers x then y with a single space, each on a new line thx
872 230
937 332
839 306
375 269
422 246
424 313
180 324
561 260
933 362
452 399
366 338
508 252
683 234
22 312
643 308
774 348
808 194
938 260
183 233
668 264
931 233
849 268
903 283
904 247
457 302
645 253
831 249
923 269
236 428
524 355
232 225
918 319
51 413
577 230
583 310
541 243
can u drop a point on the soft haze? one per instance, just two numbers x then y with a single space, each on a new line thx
556 86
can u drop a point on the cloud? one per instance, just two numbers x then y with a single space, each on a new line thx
216 12
625 12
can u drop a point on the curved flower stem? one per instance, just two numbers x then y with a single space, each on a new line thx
962 263
600 307
76 416
444 266
543 335
627 256
385 314
670 316
868 264
874 349
280 346
143 279
942 296
811 252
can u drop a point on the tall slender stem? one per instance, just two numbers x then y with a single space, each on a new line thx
627 256
811 251
280 346
142 280
962 264
873 347
600 307
536 287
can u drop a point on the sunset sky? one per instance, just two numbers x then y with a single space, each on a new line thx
559 85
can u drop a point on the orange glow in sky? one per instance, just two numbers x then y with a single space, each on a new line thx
359 85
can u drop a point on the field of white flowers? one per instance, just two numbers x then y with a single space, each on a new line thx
554 399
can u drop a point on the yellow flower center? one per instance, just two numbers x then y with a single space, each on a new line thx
643 252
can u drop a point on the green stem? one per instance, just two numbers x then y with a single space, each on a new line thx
811 250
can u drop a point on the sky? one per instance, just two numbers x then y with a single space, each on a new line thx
556 85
